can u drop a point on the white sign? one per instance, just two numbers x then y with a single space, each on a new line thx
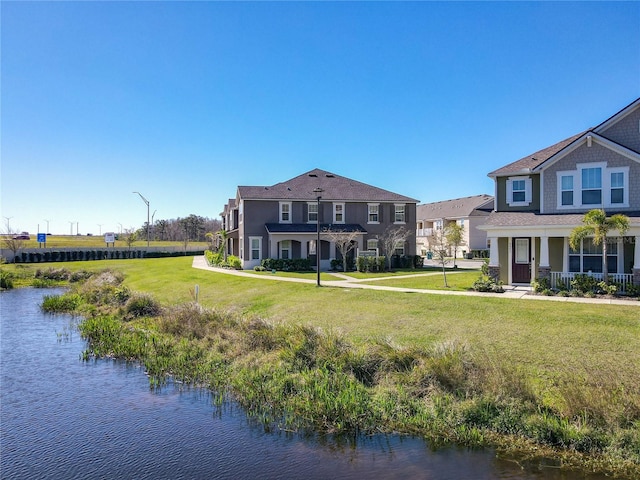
109 237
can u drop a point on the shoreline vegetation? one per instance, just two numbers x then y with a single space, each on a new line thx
540 382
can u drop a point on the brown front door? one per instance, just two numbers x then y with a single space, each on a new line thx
521 264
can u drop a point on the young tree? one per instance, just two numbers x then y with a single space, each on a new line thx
12 242
221 238
597 225
440 248
345 241
130 237
454 234
391 239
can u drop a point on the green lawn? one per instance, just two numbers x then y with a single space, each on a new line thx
543 337
96 241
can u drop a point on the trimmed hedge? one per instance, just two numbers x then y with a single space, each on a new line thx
287 265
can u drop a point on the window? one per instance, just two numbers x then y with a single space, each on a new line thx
372 244
399 250
461 222
285 249
617 187
438 224
338 213
256 247
399 214
285 212
522 250
589 257
566 185
374 213
595 184
312 247
518 191
312 215
592 186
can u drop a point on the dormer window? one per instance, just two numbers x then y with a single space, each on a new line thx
519 191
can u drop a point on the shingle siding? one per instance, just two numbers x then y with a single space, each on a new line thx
626 131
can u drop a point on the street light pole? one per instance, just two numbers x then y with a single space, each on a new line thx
147 202
47 225
318 191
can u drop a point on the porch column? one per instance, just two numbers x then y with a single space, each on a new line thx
274 248
303 248
636 261
544 269
494 258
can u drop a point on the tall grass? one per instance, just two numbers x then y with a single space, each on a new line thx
532 376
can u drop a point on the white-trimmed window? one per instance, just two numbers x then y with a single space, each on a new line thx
593 184
399 250
399 216
285 212
312 212
438 225
519 191
285 249
372 244
255 244
374 213
588 258
566 190
313 247
241 244
338 213
240 211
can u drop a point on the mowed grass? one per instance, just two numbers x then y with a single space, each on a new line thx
546 339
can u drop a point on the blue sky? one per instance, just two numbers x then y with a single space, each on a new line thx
184 101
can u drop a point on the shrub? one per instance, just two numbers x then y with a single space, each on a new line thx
540 285
67 302
487 284
6 280
143 305
287 265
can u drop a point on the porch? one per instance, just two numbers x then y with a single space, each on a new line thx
563 279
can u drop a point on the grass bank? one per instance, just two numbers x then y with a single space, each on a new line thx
541 377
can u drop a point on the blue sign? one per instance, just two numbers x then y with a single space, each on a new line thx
42 238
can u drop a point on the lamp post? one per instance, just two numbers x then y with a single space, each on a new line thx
47 225
147 202
318 191
8 225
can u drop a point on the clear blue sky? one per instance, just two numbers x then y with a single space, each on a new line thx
184 101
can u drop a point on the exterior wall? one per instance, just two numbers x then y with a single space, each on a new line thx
501 200
477 239
625 131
556 253
505 266
258 212
628 247
584 154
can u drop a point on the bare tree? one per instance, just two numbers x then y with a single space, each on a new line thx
392 238
13 242
454 234
440 248
344 240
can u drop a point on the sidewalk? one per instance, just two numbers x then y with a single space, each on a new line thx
511 292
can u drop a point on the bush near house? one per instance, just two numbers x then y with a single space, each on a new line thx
287 265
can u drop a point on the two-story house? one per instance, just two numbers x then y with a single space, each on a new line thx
281 220
468 212
542 197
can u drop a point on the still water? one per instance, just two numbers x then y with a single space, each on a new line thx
62 418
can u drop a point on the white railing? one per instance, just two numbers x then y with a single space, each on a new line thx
424 232
621 279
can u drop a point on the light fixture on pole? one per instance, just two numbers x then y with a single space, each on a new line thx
318 191
147 202
47 225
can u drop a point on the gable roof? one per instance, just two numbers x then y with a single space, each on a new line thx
535 160
334 188
455 208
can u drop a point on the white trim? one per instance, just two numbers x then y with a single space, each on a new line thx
373 222
527 191
404 213
251 249
335 220
309 212
605 186
280 205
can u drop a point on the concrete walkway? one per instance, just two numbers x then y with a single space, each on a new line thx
344 281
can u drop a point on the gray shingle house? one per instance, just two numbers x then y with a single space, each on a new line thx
468 212
281 220
542 197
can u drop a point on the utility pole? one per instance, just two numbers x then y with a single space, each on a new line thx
147 202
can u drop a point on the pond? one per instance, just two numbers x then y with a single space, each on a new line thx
64 418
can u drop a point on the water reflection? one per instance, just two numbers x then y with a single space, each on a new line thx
63 418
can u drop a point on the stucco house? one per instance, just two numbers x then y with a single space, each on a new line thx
542 197
468 212
281 221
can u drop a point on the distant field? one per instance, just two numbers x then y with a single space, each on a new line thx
84 241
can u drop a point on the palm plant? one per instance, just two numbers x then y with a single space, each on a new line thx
596 224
